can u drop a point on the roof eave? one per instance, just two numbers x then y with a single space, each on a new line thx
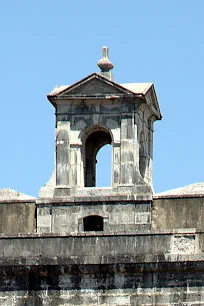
54 99
89 77
156 111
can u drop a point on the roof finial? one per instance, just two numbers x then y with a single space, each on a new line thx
105 64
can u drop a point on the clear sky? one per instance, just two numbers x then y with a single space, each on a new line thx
47 42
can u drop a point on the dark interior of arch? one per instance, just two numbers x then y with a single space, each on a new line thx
93 223
94 142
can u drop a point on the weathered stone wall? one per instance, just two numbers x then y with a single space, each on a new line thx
123 119
117 217
144 269
123 265
173 213
80 120
102 248
163 213
17 217
122 284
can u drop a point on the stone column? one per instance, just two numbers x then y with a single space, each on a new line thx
75 165
116 165
150 149
62 156
128 172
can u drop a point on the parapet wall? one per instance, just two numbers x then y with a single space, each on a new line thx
124 265
175 284
136 269
178 212
63 217
17 217
143 246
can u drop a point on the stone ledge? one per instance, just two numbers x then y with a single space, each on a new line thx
177 196
144 232
12 201
154 262
112 198
104 249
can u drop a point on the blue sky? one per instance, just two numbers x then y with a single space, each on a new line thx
46 43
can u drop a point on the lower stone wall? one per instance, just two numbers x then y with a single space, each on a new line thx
119 284
148 268
17 217
174 213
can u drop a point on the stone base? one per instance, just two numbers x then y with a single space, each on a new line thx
62 192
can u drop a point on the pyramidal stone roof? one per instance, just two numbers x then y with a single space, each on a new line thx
137 88
11 194
193 189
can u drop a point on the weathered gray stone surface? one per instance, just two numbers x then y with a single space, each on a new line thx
92 113
65 216
124 284
101 248
130 269
68 217
17 217
193 189
181 212
7 194
122 245
135 284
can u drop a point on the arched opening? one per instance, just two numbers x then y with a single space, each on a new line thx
142 157
93 223
93 144
104 166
